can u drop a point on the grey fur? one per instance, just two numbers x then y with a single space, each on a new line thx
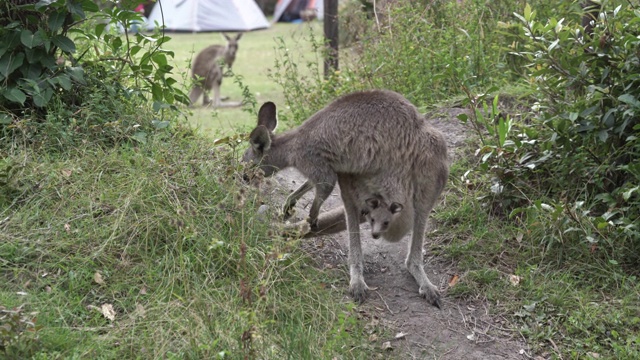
374 137
207 70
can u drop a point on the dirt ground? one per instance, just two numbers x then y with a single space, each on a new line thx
460 330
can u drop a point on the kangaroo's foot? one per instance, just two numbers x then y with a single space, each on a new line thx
427 290
431 294
357 287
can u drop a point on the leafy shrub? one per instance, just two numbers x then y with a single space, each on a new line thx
572 162
68 78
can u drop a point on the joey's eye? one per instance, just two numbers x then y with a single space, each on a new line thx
386 223
373 220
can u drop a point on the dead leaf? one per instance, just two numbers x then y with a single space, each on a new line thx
22 293
47 289
140 311
387 345
454 280
67 227
97 278
143 291
519 237
373 338
514 280
472 337
400 335
108 312
66 173
594 355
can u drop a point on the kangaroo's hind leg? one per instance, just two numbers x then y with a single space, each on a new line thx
414 260
195 93
357 286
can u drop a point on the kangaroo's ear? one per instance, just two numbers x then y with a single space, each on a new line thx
226 36
267 116
260 139
239 36
373 203
395 208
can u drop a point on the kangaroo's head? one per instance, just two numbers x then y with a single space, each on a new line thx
260 140
379 214
231 49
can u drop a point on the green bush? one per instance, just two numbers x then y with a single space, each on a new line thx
68 75
572 161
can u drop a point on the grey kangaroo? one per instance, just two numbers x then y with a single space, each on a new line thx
374 136
207 70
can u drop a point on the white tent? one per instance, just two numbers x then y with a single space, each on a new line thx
292 8
208 15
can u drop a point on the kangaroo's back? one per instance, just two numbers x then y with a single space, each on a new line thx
372 132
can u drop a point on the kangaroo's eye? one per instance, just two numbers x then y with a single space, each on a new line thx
386 223
373 220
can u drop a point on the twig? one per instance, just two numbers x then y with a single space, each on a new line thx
385 303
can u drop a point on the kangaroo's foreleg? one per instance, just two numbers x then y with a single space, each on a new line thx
414 260
323 190
294 197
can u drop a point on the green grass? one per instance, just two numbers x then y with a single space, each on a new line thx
571 301
189 271
256 56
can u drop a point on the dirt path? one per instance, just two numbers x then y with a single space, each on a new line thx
461 330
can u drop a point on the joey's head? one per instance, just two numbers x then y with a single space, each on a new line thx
231 49
261 139
379 214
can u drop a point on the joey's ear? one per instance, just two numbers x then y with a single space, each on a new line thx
260 139
239 36
395 208
365 212
267 116
372 203
226 36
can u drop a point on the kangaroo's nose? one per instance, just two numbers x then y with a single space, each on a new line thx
375 236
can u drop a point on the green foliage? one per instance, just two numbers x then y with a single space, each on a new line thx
18 333
190 270
68 77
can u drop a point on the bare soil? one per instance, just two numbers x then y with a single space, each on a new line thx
460 330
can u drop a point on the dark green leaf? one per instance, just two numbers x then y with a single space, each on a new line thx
30 39
77 74
64 81
156 90
64 43
15 95
56 20
9 63
99 29
5 119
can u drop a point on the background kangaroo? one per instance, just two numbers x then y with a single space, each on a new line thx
207 70
374 136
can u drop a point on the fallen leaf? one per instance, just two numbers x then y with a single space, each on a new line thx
97 278
67 227
66 173
140 311
47 289
373 288
387 345
373 338
594 355
22 293
143 291
454 280
472 337
519 237
400 335
514 280
108 312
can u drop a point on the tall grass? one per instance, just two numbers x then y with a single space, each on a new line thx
167 235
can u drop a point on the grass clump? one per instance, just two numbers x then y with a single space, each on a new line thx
156 252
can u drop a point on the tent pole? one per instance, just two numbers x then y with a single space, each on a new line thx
331 36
